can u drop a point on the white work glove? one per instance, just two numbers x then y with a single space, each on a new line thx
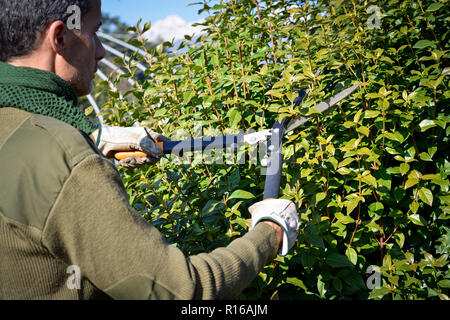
119 139
284 213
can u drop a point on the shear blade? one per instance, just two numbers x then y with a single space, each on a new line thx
323 106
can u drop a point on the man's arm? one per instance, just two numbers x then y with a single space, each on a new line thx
278 231
93 226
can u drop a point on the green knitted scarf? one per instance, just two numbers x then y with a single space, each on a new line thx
43 93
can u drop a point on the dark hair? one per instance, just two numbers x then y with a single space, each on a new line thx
23 21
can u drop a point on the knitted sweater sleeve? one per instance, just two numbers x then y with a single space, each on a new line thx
92 226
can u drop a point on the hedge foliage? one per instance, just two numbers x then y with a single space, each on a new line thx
370 177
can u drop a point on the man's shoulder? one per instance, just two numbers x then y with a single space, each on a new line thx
36 135
36 159
73 143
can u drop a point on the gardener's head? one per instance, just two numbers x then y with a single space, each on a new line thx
56 36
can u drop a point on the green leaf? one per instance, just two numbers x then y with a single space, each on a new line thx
357 116
373 226
336 260
399 193
410 257
333 162
235 117
414 206
344 219
384 178
443 296
404 168
400 239
344 171
417 219
187 96
391 151
276 93
370 180
376 208
351 255
264 69
147 27
350 145
432 151
411 182
364 151
444 283
241 194
391 136
426 196
351 204
321 286
425 156
316 240
387 261
379 292
435 6
430 176
210 207
423 44
368 114
319 196
363 130
427 124
345 162
296 282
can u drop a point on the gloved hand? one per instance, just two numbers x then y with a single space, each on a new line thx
117 139
284 213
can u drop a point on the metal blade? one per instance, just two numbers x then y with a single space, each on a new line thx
323 106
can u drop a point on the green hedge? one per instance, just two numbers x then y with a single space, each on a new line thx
370 177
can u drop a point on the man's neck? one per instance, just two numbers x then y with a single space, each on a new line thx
33 61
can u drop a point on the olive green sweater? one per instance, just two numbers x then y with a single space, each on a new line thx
65 215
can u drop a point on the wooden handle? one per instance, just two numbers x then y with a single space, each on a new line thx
125 154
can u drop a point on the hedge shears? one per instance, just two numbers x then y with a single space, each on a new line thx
280 128
275 134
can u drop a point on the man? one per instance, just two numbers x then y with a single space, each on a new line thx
67 230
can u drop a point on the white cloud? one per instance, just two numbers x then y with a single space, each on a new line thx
172 26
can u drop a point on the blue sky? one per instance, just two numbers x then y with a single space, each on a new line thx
152 10
171 19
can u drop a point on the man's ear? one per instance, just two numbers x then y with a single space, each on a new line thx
57 36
